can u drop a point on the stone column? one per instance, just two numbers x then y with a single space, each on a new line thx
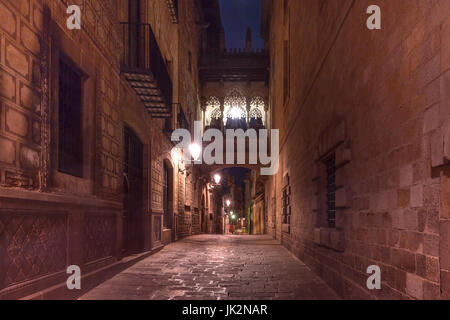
247 107
203 109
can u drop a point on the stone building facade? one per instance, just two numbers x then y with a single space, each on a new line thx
86 187
364 139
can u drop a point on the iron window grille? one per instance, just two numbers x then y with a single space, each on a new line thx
166 221
330 163
286 201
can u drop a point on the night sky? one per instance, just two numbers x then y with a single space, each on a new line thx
237 15
238 173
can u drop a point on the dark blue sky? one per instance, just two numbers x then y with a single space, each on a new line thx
237 15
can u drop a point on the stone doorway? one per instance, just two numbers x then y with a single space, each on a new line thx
133 191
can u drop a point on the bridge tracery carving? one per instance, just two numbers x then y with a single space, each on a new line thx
235 106
235 110
213 110
257 115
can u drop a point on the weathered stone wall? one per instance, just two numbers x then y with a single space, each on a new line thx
378 100
81 218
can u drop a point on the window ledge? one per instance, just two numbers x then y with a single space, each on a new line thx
330 238
60 199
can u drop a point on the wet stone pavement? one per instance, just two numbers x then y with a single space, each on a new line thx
212 267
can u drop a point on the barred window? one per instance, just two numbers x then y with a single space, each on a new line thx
330 163
166 196
70 146
286 204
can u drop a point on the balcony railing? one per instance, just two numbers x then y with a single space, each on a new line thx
144 67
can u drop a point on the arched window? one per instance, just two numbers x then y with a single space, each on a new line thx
257 110
216 114
256 113
212 110
235 106
236 112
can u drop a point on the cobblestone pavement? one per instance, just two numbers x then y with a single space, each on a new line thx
210 267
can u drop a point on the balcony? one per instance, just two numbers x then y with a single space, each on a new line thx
144 67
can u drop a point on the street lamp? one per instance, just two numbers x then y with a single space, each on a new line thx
195 151
228 202
217 178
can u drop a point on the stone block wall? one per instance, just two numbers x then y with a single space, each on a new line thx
377 99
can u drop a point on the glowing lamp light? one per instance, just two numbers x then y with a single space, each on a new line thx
233 216
228 202
217 178
235 113
195 151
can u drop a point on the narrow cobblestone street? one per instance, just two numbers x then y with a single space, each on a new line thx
210 267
